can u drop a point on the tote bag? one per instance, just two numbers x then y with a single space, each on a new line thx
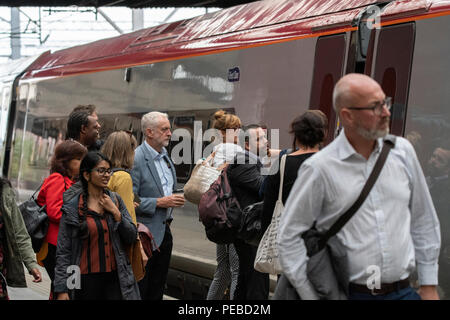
202 177
266 260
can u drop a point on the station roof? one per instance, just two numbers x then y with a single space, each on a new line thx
125 3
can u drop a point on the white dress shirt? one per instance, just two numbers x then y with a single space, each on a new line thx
395 228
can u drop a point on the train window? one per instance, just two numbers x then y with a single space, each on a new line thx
392 68
186 125
328 68
428 125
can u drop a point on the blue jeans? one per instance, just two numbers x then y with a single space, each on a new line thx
403 294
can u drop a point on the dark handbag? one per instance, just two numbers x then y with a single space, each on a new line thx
36 221
250 226
148 242
326 267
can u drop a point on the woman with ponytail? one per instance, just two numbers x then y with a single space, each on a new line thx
91 262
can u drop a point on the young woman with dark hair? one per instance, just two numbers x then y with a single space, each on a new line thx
94 230
15 244
64 169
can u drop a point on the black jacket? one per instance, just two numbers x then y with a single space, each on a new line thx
245 178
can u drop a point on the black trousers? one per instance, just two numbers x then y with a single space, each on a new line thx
252 285
99 286
49 264
152 285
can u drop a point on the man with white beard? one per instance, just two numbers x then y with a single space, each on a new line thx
154 181
396 228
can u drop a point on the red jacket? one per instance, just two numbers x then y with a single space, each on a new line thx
51 194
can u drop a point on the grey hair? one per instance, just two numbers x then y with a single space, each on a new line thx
151 119
337 97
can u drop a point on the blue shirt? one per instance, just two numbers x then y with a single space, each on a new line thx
162 164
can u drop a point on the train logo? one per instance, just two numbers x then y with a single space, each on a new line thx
234 74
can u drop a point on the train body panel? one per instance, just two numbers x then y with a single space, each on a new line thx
265 63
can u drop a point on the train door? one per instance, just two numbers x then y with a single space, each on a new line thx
389 62
328 69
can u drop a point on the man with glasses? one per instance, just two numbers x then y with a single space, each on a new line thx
396 228
154 181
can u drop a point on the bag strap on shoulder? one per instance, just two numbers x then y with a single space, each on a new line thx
210 158
282 165
38 189
388 144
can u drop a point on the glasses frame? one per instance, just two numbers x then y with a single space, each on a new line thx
109 171
378 108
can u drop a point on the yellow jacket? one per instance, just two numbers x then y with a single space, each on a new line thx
121 183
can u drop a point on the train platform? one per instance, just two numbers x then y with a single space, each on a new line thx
39 291
35 291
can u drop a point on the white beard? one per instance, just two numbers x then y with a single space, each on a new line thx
373 134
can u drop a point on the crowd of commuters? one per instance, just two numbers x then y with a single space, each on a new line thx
97 201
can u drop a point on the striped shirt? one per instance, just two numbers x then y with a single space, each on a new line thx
97 253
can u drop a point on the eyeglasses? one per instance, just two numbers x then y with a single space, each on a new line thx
103 171
378 107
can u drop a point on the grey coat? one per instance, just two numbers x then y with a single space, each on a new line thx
147 185
69 246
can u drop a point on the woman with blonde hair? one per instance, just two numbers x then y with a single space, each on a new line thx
227 260
119 148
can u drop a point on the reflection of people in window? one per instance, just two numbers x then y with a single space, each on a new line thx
439 185
416 140
438 181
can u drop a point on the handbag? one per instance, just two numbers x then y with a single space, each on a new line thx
250 225
203 175
136 259
134 253
147 240
36 220
326 267
266 260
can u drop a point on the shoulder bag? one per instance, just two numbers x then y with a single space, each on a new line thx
36 220
266 260
134 251
327 272
202 176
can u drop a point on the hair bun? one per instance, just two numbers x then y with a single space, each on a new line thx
219 114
